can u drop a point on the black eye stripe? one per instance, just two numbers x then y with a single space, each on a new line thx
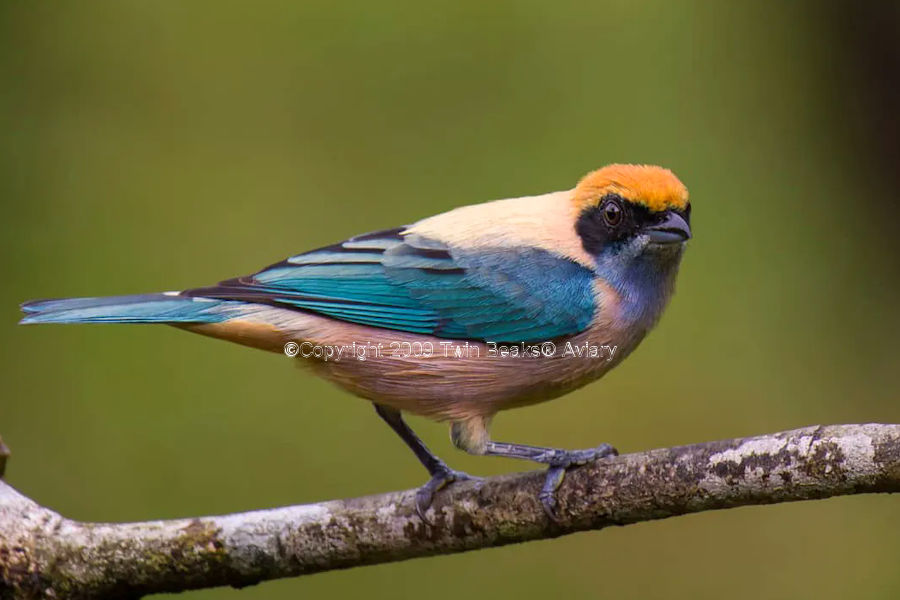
596 231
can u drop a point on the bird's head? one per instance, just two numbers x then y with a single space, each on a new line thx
632 213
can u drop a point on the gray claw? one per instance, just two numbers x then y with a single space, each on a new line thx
556 473
440 480
547 495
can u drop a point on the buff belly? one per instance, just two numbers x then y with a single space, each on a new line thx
437 378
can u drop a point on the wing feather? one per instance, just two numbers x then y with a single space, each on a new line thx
417 284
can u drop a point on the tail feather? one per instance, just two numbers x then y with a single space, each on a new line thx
167 307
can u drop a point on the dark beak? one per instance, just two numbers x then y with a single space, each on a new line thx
673 229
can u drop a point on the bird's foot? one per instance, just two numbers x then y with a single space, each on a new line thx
439 480
560 461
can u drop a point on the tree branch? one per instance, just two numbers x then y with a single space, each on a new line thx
44 555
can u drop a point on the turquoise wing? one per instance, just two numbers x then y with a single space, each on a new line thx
410 283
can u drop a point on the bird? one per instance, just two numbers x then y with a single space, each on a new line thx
458 316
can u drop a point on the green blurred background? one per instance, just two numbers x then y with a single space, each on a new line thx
150 146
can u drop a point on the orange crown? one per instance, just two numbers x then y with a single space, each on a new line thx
655 187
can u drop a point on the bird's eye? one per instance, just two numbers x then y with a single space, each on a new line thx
612 213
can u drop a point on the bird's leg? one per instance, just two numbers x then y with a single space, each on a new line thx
558 461
441 474
472 436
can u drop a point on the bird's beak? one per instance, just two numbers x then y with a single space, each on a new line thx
673 229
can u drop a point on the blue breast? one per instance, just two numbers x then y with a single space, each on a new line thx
643 282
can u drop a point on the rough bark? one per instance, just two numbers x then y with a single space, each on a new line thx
44 555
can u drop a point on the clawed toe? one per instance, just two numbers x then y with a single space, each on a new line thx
547 495
440 480
571 458
556 473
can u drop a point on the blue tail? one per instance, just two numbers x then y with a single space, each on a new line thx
142 308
